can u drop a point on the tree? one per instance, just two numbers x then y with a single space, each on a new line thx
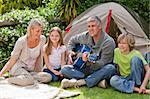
8 5
67 9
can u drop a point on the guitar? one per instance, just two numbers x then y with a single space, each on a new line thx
80 49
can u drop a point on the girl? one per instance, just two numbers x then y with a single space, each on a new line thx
54 53
131 65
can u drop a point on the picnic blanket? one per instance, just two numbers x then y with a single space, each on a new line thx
36 91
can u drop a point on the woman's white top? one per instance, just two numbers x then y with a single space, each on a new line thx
33 55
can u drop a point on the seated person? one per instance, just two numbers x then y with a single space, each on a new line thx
54 54
92 72
132 67
25 64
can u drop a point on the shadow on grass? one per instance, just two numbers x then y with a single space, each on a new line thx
99 93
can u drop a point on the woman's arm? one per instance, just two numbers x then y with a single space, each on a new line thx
15 54
8 66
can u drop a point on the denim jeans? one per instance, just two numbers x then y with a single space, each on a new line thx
94 78
147 57
126 84
54 77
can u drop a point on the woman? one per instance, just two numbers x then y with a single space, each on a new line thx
26 58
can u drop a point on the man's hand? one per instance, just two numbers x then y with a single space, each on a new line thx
92 57
85 56
70 61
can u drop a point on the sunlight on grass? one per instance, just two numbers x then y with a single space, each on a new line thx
99 93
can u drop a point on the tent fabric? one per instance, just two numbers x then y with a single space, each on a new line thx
122 18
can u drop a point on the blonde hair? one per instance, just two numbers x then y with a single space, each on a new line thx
49 42
33 23
129 38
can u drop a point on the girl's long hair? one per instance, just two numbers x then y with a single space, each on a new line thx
49 42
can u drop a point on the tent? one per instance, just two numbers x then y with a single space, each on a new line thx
116 19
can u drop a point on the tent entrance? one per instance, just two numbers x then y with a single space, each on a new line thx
114 31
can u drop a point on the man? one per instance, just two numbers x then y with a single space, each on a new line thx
92 72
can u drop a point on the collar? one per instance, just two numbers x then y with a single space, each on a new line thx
98 44
58 47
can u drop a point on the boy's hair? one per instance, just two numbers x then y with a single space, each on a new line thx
130 40
49 42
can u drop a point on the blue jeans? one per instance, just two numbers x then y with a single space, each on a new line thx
54 77
94 78
126 84
147 57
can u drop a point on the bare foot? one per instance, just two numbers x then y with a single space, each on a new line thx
136 89
148 91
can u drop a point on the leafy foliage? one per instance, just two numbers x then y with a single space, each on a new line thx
142 7
8 5
67 9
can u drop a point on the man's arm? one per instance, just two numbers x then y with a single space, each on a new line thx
106 54
78 39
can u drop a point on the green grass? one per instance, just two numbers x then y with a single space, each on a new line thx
99 93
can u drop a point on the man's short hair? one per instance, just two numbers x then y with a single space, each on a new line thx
94 18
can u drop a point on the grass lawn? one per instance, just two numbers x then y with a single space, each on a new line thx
99 93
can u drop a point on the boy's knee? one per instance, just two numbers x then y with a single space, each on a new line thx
135 59
136 63
111 68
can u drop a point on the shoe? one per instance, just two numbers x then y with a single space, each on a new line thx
66 83
103 84
79 83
